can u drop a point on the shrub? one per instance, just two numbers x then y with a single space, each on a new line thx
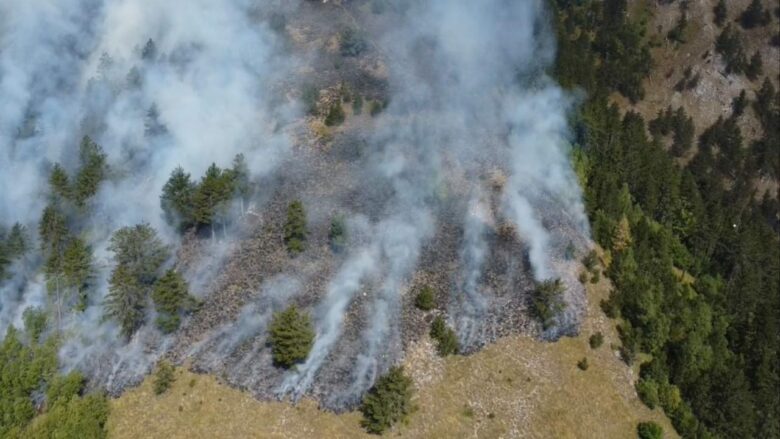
546 301
647 390
389 401
353 42
357 105
755 15
596 277
335 115
721 13
446 340
649 430
425 300
375 108
291 337
583 364
163 377
295 227
596 340
337 234
590 260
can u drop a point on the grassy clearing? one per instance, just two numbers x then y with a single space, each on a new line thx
518 387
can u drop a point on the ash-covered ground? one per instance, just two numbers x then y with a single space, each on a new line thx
473 256
431 127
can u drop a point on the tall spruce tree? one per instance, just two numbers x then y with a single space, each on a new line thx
77 270
211 198
91 173
177 199
139 255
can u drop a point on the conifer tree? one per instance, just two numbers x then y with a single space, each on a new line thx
291 337
546 301
177 199
125 301
92 171
388 402
171 299
77 269
17 242
295 227
755 67
446 340
337 234
755 15
721 13
139 250
59 182
240 179
211 197
138 254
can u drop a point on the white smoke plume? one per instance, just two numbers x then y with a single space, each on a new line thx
468 95
201 92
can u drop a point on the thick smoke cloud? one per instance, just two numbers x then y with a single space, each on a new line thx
204 91
469 95
469 98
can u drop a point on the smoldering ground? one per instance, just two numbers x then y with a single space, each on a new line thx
461 182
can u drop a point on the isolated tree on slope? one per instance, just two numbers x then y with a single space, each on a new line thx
389 401
295 227
291 337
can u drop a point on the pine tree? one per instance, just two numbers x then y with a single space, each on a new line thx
295 227
140 251
546 301
721 13
17 242
291 337
171 298
337 234
59 182
149 52
126 300
388 402
52 229
754 15
622 237
92 171
425 299
211 197
755 67
335 115
77 269
446 340
152 125
177 199
240 180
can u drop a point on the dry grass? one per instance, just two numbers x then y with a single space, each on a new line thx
518 387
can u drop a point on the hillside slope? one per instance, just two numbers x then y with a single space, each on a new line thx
517 387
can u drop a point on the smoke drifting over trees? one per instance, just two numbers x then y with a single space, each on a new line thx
468 131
